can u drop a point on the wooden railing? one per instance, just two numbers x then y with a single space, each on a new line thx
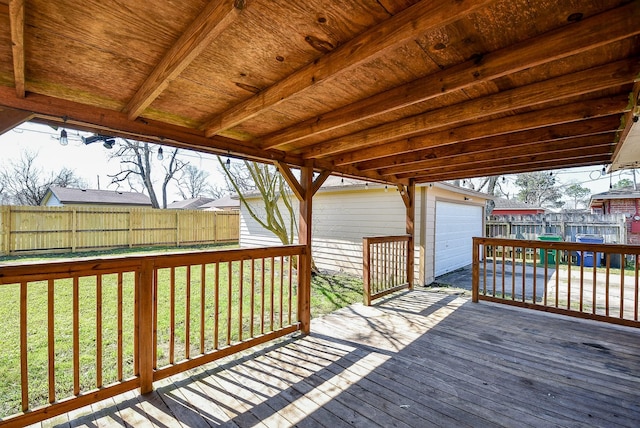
385 265
82 331
593 281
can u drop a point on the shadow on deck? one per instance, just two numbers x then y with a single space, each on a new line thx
416 359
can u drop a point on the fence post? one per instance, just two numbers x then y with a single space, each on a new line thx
145 326
74 229
5 220
475 273
365 271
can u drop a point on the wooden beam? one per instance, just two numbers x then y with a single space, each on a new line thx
418 19
556 133
513 169
212 21
536 119
408 193
505 152
628 119
320 179
10 118
529 96
291 179
16 22
596 149
97 119
593 32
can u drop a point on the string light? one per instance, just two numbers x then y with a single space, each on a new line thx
64 139
160 155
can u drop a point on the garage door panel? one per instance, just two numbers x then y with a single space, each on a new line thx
456 224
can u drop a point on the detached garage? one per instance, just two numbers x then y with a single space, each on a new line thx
344 212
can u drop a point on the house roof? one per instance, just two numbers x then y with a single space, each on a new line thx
67 195
224 202
511 204
624 193
388 91
189 204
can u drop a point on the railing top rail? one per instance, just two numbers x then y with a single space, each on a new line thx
379 239
35 271
559 245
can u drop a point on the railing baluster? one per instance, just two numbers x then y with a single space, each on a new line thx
535 277
272 292
51 339
24 365
76 336
172 314
568 282
281 289
252 297
262 298
524 272
203 300
484 270
216 308
606 284
581 286
229 299
99 331
556 260
119 322
622 286
240 299
594 291
290 287
187 314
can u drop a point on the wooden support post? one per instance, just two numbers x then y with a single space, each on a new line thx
366 271
145 326
475 272
408 194
304 238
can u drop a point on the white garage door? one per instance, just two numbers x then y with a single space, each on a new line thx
456 224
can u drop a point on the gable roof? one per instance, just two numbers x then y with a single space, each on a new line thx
189 204
67 195
224 202
624 193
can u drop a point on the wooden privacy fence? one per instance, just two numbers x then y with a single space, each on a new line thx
594 281
612 227
88 330
36 229
385 265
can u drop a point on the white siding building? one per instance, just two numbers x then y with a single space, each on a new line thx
447 217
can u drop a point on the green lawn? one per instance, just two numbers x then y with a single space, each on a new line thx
329 292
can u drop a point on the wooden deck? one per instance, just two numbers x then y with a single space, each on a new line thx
417 359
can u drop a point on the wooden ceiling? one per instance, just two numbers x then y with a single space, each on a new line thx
386 90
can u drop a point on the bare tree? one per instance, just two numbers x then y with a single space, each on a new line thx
136 160
24 183
194 183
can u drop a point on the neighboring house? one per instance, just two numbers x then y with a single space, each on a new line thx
227 203
189 204
511 207
446 218
621 201
66 196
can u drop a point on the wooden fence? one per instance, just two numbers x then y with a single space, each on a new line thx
385 265
611 227
36 229
82 331
575 279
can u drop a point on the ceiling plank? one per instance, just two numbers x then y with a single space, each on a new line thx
514 169
215 17
572 39
418 19
553 148
95 119
16 20
583 128
10 118
559 88
536 119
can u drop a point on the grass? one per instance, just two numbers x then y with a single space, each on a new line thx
329 292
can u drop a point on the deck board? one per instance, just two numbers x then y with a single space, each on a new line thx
417 359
